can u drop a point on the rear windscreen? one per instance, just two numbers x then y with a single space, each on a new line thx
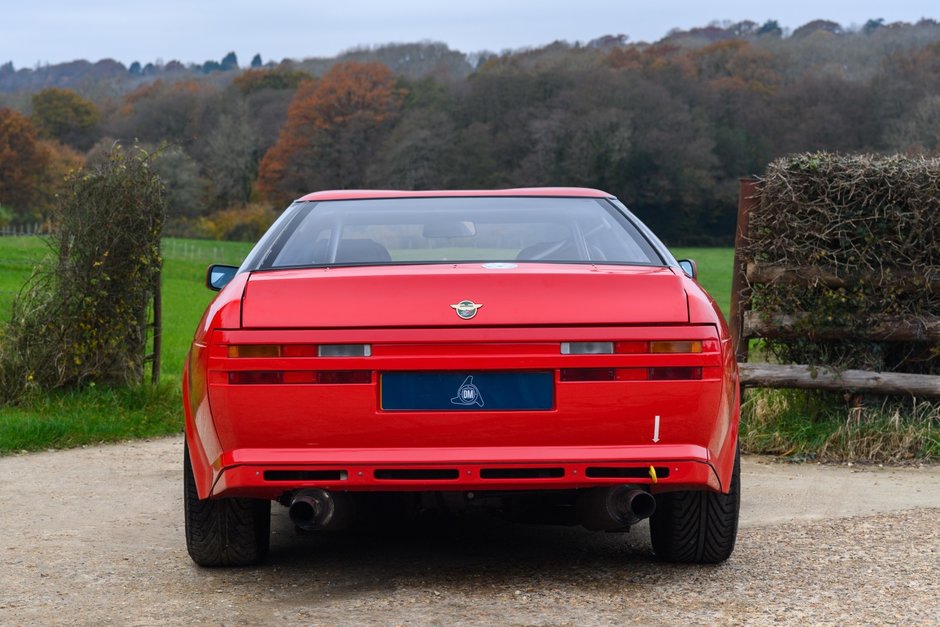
456 230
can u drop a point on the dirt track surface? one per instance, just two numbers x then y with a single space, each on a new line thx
95 536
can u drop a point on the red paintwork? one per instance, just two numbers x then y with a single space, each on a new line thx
410 296
238 432
351 194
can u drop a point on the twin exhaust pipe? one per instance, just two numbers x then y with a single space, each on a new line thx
599 509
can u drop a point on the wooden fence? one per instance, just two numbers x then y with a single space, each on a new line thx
747 324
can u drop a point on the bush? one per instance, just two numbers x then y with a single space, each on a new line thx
871 222
243 224
83 315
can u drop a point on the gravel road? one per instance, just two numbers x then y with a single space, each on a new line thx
95 536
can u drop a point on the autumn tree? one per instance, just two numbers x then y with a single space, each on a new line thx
64 115
285 77
23 161
333 128
230 158
62 164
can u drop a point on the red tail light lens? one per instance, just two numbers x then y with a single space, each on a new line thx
603 374
344 376
275 377
675 373
299 350
253 377
670 373
631 347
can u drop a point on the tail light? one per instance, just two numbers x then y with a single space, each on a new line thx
668 373
638 347
277 377
299 350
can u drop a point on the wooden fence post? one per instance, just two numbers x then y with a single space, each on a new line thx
740 289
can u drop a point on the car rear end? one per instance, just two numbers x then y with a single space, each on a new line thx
595 385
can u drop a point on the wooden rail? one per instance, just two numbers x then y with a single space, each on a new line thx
879 329
747 324
811 275
824 378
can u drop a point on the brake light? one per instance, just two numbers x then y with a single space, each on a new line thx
668 373
675 373
276 377
603 374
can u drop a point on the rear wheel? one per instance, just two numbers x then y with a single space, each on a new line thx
695 526
224 532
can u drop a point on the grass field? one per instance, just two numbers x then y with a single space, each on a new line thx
71 418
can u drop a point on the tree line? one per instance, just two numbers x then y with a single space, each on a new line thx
667 127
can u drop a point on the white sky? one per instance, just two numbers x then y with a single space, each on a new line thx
53 31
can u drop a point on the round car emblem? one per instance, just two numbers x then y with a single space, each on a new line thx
466 309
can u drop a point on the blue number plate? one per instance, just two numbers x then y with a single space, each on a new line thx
468 391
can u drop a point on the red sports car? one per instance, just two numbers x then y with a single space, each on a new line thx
538 351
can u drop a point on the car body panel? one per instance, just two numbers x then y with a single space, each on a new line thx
422 295
311 434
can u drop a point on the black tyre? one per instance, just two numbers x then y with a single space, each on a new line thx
697 527
224 532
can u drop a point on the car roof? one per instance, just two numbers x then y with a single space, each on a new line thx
350 194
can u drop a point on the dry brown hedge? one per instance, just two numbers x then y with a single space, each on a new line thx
82 318
872 220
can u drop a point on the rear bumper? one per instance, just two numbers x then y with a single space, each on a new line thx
269 473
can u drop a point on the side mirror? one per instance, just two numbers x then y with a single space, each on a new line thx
218 276
689 267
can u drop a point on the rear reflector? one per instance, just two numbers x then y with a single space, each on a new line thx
275 377
675 373
669 373
603 374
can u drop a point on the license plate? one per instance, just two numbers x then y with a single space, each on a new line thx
468 391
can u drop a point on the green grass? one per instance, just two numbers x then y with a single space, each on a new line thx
715 266
72 418
76 417
64 419
821 426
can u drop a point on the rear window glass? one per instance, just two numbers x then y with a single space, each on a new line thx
457 230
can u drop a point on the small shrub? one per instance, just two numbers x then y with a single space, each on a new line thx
83 315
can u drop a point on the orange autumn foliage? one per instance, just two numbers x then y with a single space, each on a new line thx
23 161
331 131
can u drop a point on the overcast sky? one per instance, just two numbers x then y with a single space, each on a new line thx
53 31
